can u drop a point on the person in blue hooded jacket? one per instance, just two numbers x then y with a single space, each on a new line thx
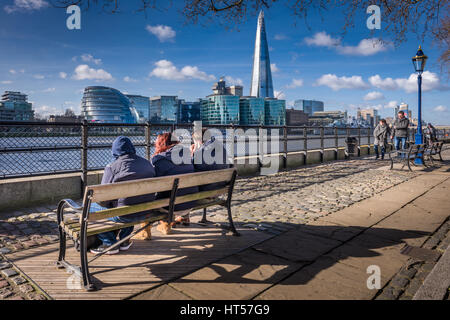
126 166
170 158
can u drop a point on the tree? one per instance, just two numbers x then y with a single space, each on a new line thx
424 18
69 113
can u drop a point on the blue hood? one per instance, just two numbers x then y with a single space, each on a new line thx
122 145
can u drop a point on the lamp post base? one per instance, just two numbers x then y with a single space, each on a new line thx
418 138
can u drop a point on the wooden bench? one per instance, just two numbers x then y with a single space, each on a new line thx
92 223
434 149
407 156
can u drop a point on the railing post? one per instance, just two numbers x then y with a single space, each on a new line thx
305 143
322 132
369 131
285 146
336 143
148 140
260 146
84 151
359 141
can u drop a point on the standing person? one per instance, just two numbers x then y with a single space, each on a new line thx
430 134
126 166
166 165
381 134
400 131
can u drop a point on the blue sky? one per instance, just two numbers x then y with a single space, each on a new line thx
160 54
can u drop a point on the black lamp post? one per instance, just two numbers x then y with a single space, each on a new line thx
419 62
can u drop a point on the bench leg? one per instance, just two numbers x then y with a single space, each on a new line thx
204 220
87 284
62 237
230 220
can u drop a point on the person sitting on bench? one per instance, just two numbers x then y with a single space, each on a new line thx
126 166
171 158
210 155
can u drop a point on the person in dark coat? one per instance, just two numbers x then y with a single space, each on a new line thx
430 134
400 131
381 134
205 157
170 159
126 166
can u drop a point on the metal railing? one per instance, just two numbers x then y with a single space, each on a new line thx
31 148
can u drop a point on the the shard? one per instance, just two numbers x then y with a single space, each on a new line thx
262 86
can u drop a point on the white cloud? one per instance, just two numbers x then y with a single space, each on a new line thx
430 81
391 105
21 5
39 76
295 83
374 95
12 71
163 33
84 72
366 47
274 68
6 82
322 39
440 109
166 70
279 95
90 58
49 90
129 79
337 83
63 75
280 36
234 81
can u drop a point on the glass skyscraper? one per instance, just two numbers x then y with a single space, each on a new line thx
262 86
220 109
275 112
141 105
164 109
15 107
251 111
188 111
309 106
106 105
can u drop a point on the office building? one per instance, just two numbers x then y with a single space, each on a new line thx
261 86
275 112
164 109
220 109
309 106
251 111
296 117
329 118
188 112
369 116
140 107
220 88
14 106
106 105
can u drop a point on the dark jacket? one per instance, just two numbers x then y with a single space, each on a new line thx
205 160
401 128
381 134
127 166
165 166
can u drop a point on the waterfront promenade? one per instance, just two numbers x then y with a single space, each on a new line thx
307 233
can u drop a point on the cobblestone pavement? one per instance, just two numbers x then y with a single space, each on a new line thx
261 202
404 285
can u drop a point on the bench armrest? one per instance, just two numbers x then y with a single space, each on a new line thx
73 205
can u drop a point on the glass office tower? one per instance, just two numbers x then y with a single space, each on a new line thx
251 111
106 105
142 106
188 111
309 106
220 109
164 109
275 112
14 106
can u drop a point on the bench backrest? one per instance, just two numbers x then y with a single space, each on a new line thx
113 191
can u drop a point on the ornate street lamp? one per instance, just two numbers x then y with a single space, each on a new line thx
419 62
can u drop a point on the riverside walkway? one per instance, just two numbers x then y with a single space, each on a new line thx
308 233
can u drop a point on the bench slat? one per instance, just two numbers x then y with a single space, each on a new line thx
161 203
132 188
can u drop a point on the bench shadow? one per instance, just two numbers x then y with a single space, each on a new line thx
188 254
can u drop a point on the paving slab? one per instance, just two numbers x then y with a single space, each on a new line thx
241 276
164 292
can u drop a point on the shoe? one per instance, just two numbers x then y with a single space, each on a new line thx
102 248
125 246
184 220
